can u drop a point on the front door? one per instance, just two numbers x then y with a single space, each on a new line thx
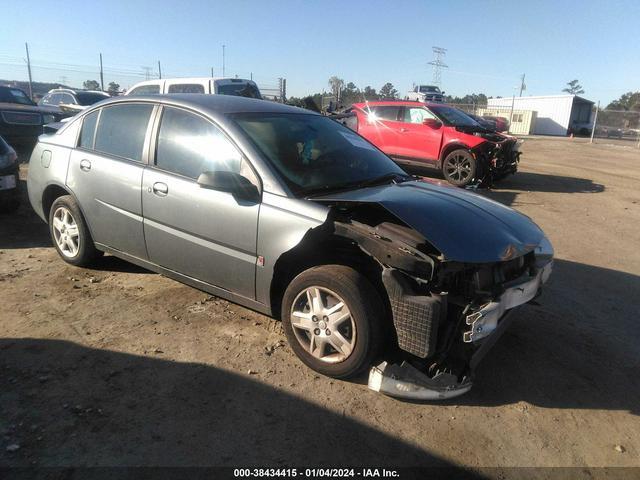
205 234
105 175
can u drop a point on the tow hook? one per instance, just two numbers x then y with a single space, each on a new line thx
406 381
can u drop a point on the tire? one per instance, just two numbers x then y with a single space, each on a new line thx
358 334
69 233
459 167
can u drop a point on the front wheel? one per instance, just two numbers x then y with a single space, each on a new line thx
459 168
332 317
70 234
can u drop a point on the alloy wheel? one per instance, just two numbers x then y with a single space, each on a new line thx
458 167
66 232
323 325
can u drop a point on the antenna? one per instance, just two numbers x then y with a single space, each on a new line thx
438 64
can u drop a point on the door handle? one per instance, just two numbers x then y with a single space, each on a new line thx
85 165
160 189
404 130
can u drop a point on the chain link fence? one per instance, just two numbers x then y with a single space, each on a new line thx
620 126
45 75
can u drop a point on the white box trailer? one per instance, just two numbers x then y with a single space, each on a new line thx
555 114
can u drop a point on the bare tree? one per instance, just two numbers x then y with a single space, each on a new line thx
336 84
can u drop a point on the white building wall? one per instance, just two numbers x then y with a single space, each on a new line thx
554 111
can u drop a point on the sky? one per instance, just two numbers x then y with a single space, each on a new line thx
490 44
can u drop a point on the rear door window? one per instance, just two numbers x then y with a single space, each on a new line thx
88 132
186 88
390 113
189 145
122 129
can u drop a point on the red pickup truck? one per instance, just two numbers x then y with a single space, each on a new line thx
437 136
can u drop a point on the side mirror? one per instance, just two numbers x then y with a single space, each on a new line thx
432 123
443 92
230 182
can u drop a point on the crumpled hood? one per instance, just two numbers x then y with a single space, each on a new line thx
463 226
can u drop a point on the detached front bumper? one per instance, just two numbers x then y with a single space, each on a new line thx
487 324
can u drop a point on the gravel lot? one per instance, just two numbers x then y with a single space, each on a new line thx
120 366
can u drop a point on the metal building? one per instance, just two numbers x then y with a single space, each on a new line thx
556 114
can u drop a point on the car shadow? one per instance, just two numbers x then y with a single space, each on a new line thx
23 228
507 190
578 349
66 404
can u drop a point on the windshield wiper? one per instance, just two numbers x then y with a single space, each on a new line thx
381 180
386 178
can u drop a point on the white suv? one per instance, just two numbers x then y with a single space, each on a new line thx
221 86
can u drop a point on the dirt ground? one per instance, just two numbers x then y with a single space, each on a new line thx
120 366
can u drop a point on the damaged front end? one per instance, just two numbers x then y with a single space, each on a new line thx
498 156
447 310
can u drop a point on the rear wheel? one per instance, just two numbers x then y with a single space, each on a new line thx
70 234
332 317
459 167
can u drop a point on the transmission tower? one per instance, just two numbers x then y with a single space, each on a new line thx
147 72
438 64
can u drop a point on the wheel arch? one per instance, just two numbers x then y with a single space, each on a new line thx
450 147
327 250
51 193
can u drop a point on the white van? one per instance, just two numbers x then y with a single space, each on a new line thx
220 86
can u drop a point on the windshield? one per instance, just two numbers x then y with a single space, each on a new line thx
14 95
315 154
453 117
89 98
239 90
429 89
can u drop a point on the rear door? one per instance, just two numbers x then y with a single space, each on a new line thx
419 141
105 174
381 127
203 233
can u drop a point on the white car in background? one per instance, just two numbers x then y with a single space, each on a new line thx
238 87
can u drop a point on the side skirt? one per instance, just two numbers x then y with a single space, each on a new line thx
193 282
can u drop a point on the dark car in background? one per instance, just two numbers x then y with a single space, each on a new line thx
69 102
495 124
21 120
8 177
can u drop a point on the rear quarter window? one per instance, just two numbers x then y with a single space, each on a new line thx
88 132
122 129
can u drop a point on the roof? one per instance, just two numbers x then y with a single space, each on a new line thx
221 104
542 97
389 103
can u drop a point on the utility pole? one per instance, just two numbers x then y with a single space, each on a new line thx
101 74
438 64
595 122
211 72
29 70
251 77
159 70
223 60
522 85
513 101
